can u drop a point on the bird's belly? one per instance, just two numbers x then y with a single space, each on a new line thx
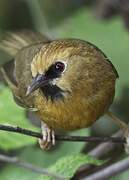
68 116
69 123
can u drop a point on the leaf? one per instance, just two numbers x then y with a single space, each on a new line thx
65 166
11 114
37 157
11 172
68 165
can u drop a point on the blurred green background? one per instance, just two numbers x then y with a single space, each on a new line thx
61 19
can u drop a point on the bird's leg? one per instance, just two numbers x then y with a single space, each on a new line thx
117 121
48 137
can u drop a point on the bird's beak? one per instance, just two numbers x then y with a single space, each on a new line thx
39 81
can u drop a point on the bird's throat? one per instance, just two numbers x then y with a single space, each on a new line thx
52 92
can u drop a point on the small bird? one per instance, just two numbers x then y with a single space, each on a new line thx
69 83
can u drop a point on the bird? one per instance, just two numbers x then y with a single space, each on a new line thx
69 83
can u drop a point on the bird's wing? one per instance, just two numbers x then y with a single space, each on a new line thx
16 44
12 42
114 69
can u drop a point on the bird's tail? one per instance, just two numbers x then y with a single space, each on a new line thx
11 42
121 124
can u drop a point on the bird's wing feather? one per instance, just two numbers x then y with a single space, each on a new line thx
19 45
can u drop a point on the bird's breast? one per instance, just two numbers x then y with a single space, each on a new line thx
72 113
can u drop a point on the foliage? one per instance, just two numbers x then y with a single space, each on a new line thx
65 166
11 114
68 165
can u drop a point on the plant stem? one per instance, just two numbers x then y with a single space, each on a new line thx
26 165
110 171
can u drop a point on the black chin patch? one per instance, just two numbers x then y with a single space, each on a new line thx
53 92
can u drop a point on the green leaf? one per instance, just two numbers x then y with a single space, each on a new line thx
11 114
68 165
35 156
12 172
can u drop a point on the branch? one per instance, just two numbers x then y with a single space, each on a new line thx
63 137
110 171
104 148
99 152
26 165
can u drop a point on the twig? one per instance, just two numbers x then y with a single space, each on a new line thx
26 165
98 152
104 148
63 137
110 171
117 121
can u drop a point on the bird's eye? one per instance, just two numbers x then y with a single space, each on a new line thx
60 66
55 70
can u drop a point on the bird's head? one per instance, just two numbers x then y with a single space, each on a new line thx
70 67
55 68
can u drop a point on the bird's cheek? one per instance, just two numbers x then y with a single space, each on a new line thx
64 85
54 81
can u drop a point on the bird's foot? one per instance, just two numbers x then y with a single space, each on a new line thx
48 139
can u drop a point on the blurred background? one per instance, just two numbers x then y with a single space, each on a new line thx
104 23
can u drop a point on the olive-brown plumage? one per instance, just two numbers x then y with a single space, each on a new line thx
70 82
88 84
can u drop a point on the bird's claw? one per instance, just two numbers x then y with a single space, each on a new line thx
48 139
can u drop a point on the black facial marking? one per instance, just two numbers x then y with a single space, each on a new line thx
55 70
53 92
